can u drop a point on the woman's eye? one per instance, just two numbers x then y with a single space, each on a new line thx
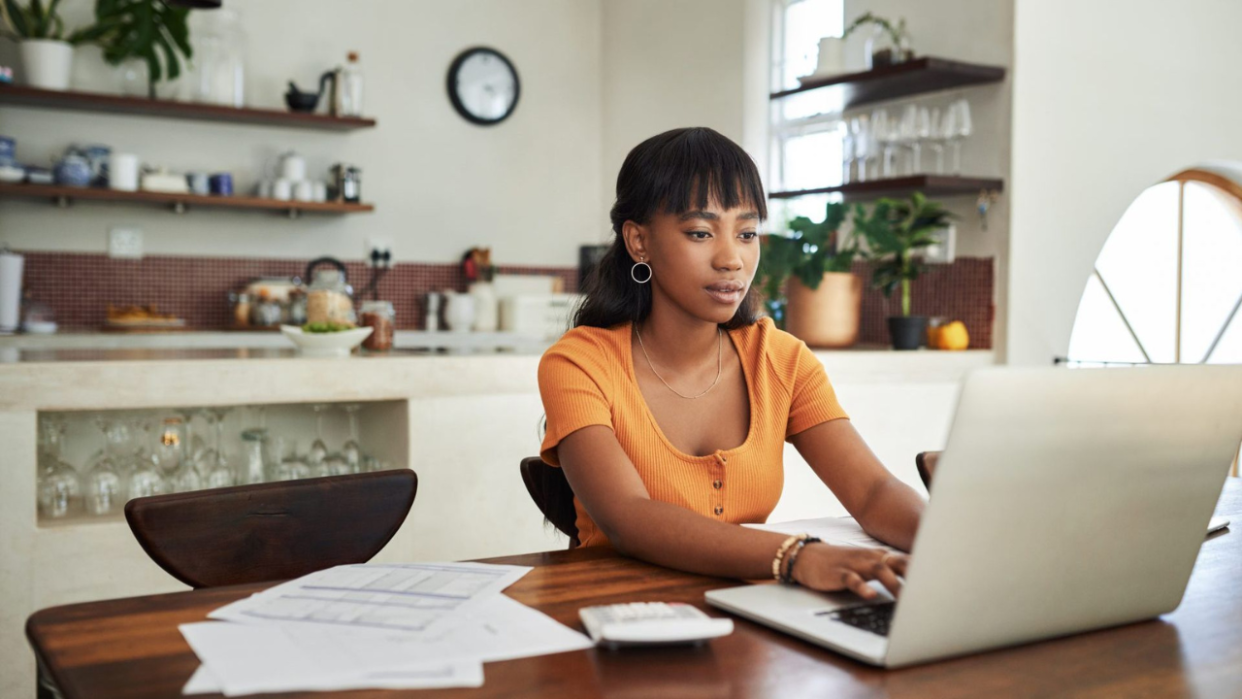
749 235
699 235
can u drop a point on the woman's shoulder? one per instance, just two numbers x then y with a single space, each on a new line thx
594 350
763 339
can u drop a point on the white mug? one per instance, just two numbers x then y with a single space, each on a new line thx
123 172
321 191
292 166
458 311
282 189
304 191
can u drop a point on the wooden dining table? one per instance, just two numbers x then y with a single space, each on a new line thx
132 648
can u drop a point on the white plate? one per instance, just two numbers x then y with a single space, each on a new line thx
337 344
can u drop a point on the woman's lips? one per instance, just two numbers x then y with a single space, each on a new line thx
726 294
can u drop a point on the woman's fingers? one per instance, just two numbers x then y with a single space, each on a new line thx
858 586
887 577
898 562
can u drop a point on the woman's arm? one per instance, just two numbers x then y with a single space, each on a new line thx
610 489
887 509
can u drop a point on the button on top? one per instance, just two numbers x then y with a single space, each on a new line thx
717 485
719 510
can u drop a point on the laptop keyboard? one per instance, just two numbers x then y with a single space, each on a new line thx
874 617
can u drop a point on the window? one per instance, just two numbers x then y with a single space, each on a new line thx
1166 288
806 134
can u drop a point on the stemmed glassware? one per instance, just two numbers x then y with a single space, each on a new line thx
319 450
220 473
959 128
105 480
922 131
352 451
287 464
176 445
146 478
60 486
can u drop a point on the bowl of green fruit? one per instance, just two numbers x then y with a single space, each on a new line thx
326 339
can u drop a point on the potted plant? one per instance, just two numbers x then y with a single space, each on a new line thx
895 232
898 50
147 30
47 54
822 299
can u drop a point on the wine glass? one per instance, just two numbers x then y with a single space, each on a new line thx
169 449
105 482
146 478
254 461
60 486
860 128
935 139
194 449
319 450
963 128
220 472
288 466
847 155
886 136
922 133
352 450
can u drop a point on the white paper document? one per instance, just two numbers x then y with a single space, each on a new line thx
343 635
840 531
406 597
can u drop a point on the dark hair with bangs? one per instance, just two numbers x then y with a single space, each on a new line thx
668 173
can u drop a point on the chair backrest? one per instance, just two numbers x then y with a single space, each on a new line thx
551 492
271 531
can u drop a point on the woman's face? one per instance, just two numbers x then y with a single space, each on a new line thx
702 261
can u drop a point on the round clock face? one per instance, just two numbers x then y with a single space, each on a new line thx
483 86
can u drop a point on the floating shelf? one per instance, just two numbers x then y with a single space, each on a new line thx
17 95
178 202
931 185
914 77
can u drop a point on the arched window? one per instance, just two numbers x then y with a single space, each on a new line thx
1167 286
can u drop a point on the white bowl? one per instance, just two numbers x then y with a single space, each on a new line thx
337 344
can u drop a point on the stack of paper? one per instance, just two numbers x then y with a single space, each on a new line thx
403 626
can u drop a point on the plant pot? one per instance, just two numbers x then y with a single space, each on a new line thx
907 332
827 316
48 63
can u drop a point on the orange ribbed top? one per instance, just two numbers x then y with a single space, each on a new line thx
587 378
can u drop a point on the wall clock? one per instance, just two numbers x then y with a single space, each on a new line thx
483 86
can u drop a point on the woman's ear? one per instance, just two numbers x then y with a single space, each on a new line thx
635 241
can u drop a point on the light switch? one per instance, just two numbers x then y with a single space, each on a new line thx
125 243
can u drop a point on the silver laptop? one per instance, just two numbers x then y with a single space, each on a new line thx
1066 500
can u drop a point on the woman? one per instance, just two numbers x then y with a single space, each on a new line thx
669 402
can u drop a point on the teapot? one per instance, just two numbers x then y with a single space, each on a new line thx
300 101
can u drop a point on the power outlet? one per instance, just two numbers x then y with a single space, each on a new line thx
944 250
379 253
125 243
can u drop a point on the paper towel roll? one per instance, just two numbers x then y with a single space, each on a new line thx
10 290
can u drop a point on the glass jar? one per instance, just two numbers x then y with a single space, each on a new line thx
219 65
329 299
380 316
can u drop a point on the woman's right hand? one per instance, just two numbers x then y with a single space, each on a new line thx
831 568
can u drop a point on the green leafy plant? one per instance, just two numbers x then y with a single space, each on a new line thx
807 253
895 33
36 20
895 231
143 29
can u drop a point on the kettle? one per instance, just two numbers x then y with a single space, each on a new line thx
329 297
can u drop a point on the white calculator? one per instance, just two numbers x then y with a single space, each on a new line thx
651 624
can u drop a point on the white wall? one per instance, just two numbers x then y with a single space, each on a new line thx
529 187
1108 100
667 65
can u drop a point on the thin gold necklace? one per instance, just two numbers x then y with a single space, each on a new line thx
719 364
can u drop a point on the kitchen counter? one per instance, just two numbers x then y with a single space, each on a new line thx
266 339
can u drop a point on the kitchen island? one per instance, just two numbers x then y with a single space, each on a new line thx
461 421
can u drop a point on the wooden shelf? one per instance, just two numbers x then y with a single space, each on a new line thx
18 95
931 185
914 77
178 202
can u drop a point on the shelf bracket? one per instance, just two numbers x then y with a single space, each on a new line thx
179 207
62 202
294 214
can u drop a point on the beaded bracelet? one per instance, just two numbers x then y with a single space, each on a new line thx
787 576
780 553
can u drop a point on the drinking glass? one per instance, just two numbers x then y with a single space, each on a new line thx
319 449
860 130
289 466
146 478
105 482
922 134
220 473
352 451
254 461
60 486
935 139
963 128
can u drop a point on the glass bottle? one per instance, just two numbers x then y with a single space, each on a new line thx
349 87
379 316
219 70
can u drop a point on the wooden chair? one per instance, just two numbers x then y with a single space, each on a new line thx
551 492
271 531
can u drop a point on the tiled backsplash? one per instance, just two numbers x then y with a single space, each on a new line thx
79 286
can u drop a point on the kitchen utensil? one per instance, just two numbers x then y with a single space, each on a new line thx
97 156
304 191
458 311
10 290
348 182
380 316
432 320
73 170
337 344
292 166
199 182
329 297
282 189
40 175
299 101
320 191
221 184
123 172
